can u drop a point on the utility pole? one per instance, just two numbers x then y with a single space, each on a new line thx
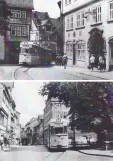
56 44
73 118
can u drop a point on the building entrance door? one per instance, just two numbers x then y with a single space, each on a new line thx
111 48
96 44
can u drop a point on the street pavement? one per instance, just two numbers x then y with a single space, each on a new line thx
40 153
52 73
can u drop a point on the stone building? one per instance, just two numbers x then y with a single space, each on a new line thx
19 25
88 30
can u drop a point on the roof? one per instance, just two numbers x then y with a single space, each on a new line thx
20 3
41 15
56 22
44 22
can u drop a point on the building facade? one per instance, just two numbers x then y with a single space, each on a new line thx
19 25
40 130
88 30
8 123
49 31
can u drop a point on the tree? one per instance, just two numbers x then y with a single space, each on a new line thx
4 14
90 103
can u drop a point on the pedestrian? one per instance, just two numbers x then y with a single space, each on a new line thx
92 61
101 63
64 60
2 141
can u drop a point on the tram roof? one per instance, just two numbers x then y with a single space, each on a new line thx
46 49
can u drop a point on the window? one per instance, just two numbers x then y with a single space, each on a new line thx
1 118
13 13
18 14
24 31
18 31
71 21
67 2
58 130
81 51
97 15
68 23
80 19
111 10
13 30
48 28
23 14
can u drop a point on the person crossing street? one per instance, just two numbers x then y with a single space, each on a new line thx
64 60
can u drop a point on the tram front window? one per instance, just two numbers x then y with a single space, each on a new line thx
58 130
23 50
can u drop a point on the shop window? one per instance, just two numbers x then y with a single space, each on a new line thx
81 51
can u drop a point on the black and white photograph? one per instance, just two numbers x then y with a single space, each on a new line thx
56 39
56 80
52 121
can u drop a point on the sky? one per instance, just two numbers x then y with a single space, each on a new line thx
28 102
49 6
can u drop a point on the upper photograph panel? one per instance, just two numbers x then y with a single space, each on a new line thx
56 39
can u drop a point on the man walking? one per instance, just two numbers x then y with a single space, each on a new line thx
92 61
64 60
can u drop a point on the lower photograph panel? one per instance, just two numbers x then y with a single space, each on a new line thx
64 120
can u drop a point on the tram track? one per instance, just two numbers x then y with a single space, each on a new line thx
15 73
51 154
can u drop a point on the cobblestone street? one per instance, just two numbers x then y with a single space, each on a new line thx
40 153
51 73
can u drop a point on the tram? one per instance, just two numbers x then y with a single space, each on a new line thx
33 55
56 135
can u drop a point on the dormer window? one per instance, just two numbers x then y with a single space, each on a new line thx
48 28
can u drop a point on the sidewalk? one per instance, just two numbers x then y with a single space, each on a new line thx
106 153
96 73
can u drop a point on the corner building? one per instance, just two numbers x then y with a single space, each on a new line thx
19 30
87 22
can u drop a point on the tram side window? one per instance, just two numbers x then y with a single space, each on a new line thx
24 50
65 129
58 130
31 50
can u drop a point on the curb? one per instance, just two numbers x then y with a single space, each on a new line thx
103 78
101 155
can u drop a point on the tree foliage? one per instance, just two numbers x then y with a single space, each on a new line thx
91 103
